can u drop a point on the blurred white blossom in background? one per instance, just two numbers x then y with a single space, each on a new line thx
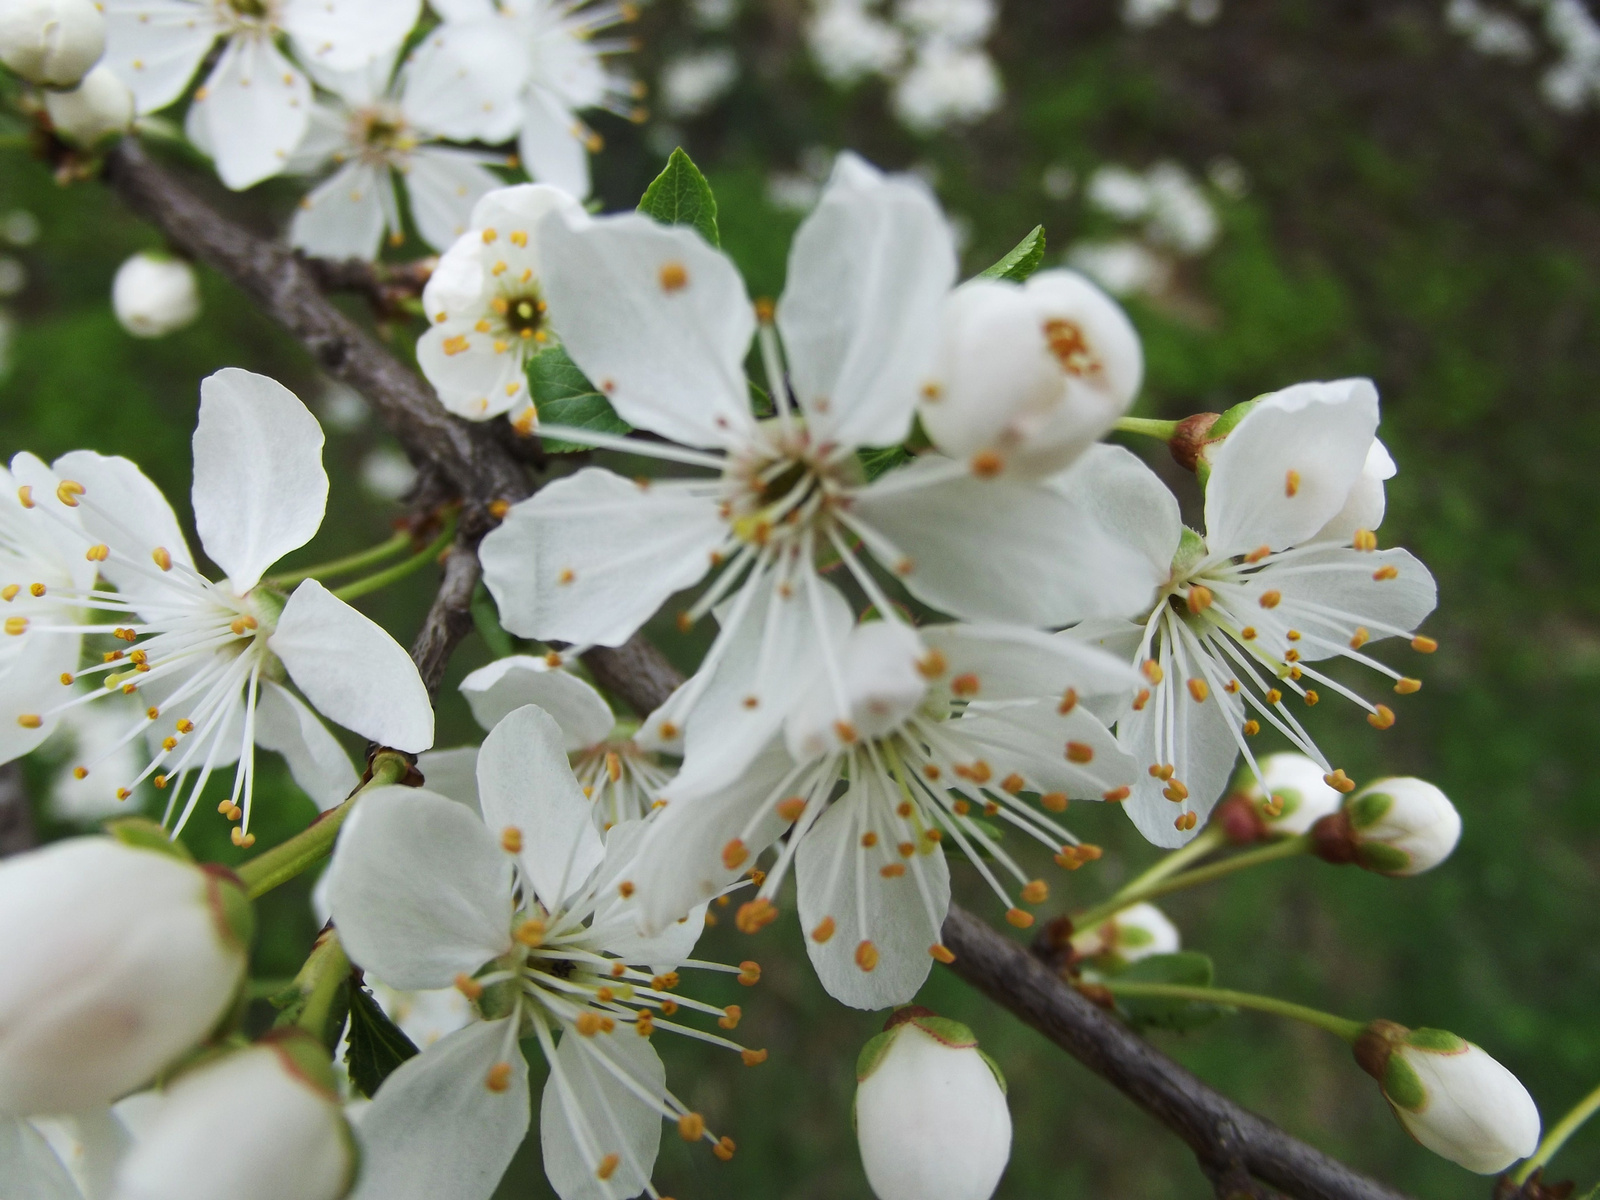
1141 14
1170 218
694 82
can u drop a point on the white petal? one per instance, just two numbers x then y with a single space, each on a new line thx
1002 550
316 760
30 1167
1032 739
444 185
1365 507
1288 467
463 10
882 681
478 382
868 271
342 217
1328 593
155 47
452 774
419 889
465 80
351 670
835 874
31 686
618 918
522 207
524 782
1002 662
259 487
1128 500
678 369
590 558
594 1114
553 144
436 1130
347 34
256 108
503 686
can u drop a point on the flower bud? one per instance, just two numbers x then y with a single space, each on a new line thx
1123 939
286 1134
99 106
1451 1096
930 1111
154 295
1401 826
1291 794
51 42
1031 375
118 959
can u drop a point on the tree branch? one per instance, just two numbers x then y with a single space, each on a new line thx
1235 1147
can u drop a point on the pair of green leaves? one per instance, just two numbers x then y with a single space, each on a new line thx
1187 968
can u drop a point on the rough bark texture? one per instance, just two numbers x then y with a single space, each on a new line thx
1238 1151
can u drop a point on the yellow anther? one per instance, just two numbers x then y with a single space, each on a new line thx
823 931
941 953
869 839
1382 719
867 956
986 464
965 685
1292 656
455 345
691 1127
184 725
80 772
845 732
730 1017
489 235
162 557
127 635
123 793
906 849
1198 689
734 854
1311 698
1258 554
565 576
499 508
626 889
1012 784
931 665
1406 686
1274 695
16 625
36 590
241 625
1018 918
1036 892
160 781
511 840
613 766
645 1024
1365 539
66 679
1248 633
674 277
25 496
1152 671
1383 573
1176 791
1199 598
1141 700
1117 795
152 713
1271 599
749 973
170 743
1080 752
519 237
1251 728
499 1077
755 915
9 592
30 720
98 553
468 986
531 932
1424 645
68 491
242 839
1360 637
1339 781
904 807
724 1148
587 1024
751 1058
1291 483
792 808
1160 771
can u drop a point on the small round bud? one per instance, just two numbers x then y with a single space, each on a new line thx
1031 374
154 295
99 106
1134 933
290 1137
931 1115
52 43
119 959
1291 794
1451 1095
1402 826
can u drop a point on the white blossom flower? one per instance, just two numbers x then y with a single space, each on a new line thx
1292 794
1248 608
209 658
119 959
486 306
1402 826
1123 266
693 83
51 42
955 22
563 73
1451 1095
98 106
293 1138
254 107
1029 375
945 85
930 1111
661 322
619 777
154 295
850 43
944 725
529 913
1136 932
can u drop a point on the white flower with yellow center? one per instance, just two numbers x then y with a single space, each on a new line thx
486 307
1278 582
531 915
949 727
254 107
661 323
209 659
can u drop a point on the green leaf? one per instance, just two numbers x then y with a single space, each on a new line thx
1022 262
1187 968
680 195
876 462
563 395
377 1044
486 619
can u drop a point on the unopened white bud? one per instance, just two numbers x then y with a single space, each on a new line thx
1134 933
931 1115
262 1123
1030 375
1402 826
1292 794
51 42
154 295
118 960
99 106
1451 1095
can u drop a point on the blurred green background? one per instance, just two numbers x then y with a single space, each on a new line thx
1396 205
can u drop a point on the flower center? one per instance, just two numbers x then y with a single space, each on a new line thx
250 14
780 492
382 134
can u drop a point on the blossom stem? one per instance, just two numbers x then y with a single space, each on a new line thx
400 570
311 845
1557 1137
1338 1026
1165 430
351 562
326 970
1131 895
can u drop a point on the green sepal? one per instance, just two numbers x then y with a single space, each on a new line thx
1225 424
1134 936
231 908
1385 860
1403 1086
306 1056
1367 809
872 1053
946 1032
680 195
376 1044
994 1069
1190 553
144 834
1187 968
875 462
1023 260
563 395
1437 1041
